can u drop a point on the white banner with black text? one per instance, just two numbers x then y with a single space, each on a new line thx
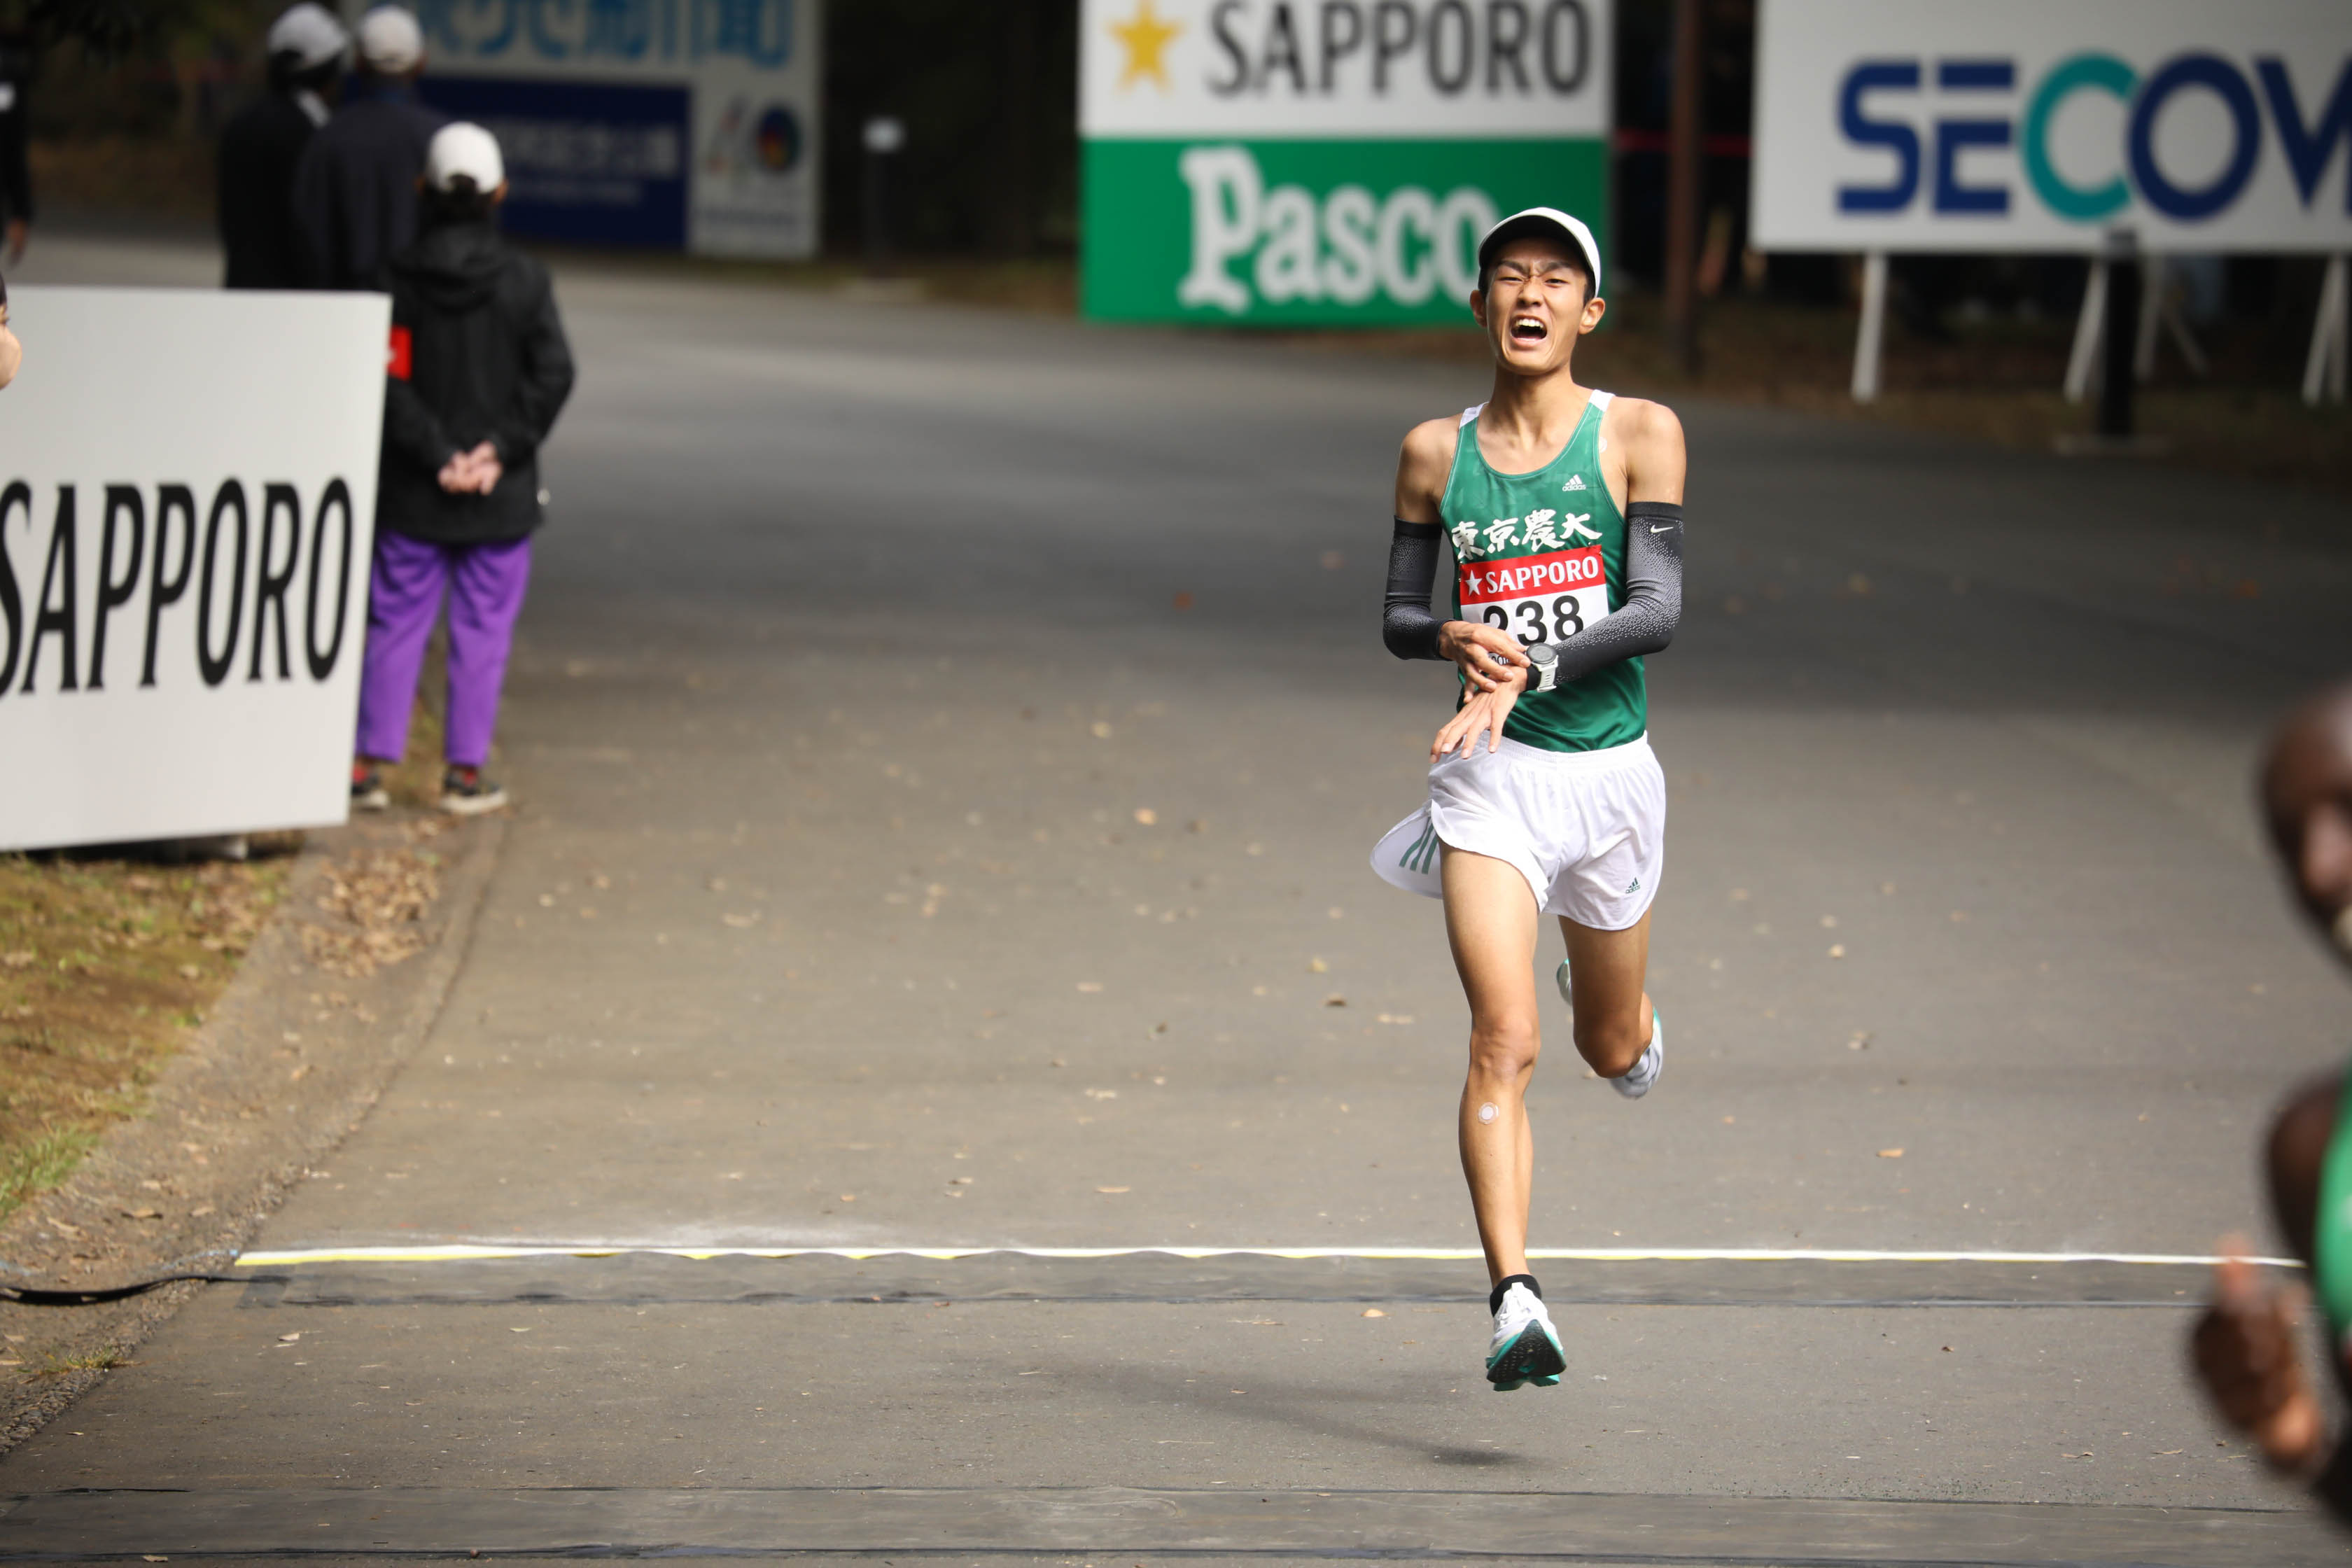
188 502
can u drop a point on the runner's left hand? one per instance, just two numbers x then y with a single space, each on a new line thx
1485 711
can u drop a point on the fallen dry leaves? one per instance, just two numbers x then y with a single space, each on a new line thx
375 901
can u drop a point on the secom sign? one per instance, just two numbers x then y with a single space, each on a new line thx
1896 124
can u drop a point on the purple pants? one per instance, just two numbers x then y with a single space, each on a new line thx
484 583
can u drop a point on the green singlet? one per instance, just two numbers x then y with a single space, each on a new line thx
2331 1242
1542 555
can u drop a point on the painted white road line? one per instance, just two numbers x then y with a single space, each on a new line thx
296 1258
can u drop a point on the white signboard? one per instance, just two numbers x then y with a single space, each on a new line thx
2019 125
1355 70
643 121
187 500
1328 163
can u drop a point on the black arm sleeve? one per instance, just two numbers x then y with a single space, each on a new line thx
1646 621
1407 626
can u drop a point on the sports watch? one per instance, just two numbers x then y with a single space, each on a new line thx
1543 668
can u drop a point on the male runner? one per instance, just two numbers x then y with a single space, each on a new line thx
1565 510
2247 1346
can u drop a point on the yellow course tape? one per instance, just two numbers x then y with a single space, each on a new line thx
469 1253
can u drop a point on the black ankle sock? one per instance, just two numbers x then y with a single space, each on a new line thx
1495 1296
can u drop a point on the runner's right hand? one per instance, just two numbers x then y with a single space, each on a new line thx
1479 650
2245 1353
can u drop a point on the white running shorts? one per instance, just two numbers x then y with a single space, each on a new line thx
1587 830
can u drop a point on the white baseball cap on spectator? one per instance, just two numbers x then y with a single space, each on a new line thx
308 35
464 151
390 40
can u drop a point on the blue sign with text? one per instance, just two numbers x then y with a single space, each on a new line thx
590 163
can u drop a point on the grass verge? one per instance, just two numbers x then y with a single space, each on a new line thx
105 965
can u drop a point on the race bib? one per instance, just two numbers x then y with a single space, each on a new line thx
1537 598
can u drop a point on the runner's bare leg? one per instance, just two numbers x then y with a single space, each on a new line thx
1491 921
1613 1015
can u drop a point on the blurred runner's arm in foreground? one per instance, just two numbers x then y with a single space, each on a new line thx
2245 1348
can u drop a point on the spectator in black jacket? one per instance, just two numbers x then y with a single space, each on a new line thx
355 188
260 147
479 370
17 61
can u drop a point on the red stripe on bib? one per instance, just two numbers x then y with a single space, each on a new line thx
1490 582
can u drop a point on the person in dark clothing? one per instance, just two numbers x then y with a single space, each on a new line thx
355 187
478 370
260 147
16 59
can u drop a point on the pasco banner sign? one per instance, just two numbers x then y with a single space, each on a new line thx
672 123
1289 163
2020 125
187 496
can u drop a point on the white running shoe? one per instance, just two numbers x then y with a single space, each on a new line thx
1645 1072
1643 1075
1526 1347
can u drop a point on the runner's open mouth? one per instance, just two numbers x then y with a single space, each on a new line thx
1527 329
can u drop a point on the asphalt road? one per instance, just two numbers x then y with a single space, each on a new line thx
947 747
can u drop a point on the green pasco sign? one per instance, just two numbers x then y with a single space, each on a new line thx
1329 162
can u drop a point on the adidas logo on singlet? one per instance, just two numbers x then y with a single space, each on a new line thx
1575 482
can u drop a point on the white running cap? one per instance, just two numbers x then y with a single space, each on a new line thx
464 149
1543 221
309 34
390 40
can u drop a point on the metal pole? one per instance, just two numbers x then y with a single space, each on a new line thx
2151 314
877 242
883 137
2120 332
2080 363
2323 367
1683 134
1872 333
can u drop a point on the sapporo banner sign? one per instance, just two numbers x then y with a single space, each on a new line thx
671 123
188 495
1287 162
2043 124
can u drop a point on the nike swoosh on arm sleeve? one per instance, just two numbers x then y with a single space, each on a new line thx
1653 609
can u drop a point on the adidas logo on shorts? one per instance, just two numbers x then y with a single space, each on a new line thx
1635 885
1575 482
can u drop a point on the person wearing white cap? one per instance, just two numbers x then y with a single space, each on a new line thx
355 188
477 371
260 148
1564 509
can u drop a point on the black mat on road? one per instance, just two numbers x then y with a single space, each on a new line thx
1101 1521
642 1278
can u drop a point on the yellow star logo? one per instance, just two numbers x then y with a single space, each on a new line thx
1146 36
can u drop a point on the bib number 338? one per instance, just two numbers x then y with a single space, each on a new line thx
1537 598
